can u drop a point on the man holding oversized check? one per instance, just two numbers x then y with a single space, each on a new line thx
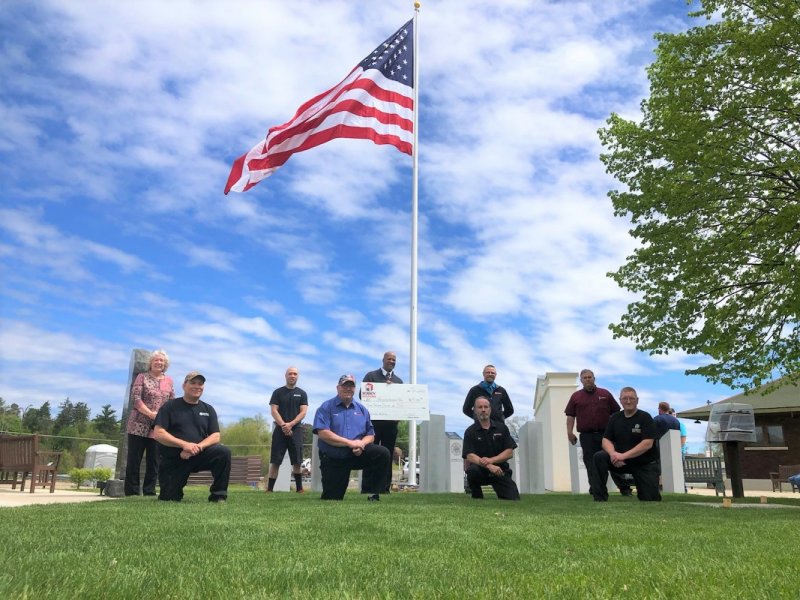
389 400
385 431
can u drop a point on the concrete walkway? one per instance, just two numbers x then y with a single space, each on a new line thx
9 497
747 493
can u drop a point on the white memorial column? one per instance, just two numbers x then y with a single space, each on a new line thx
434 462
552 394
671 462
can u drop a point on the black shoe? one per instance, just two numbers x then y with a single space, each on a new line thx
373 498
626 492
217 498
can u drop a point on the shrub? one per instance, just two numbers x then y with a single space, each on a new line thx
78 476
101 474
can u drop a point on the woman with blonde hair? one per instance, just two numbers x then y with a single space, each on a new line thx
150 391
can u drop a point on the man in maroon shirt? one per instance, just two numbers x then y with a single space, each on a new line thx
591 407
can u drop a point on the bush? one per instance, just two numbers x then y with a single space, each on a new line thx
101 474
78 476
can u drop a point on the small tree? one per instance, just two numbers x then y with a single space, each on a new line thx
78 476
101 474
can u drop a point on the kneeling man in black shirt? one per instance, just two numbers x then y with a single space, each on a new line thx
488 446
188 433
628 447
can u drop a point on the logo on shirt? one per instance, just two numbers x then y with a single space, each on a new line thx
203 414
637 429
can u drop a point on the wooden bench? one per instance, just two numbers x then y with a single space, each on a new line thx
244 469
20 455
782 476
704 470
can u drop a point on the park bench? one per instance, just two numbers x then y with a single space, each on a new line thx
20 455
244 469
704 470
782 476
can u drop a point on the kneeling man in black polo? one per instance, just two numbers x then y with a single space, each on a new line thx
488 446
628 447
188 433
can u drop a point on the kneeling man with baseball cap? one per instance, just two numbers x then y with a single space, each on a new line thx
346 442
188 433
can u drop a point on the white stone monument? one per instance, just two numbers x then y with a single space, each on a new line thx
455 445
316 474
284 478
434 463
552 394
531 459
671 462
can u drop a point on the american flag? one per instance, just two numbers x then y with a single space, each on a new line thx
373 102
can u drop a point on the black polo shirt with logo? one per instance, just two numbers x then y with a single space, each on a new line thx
289 402
626 433
189 422
487 442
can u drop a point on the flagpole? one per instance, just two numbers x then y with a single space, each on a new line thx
412 425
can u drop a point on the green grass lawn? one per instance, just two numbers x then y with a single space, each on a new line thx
286 545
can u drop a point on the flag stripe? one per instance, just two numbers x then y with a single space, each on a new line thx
360 107
367 104
278 154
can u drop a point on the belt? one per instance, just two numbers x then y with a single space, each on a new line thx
594 431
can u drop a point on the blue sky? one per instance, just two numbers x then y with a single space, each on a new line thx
120 123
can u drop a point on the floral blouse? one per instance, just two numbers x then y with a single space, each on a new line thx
152 393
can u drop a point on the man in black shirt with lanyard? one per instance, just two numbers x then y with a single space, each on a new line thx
498 397
488 447
188 433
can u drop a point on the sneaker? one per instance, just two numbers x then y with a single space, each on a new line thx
217 498
373 498
301 491
626 492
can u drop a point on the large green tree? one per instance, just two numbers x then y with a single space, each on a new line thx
712 177
106 422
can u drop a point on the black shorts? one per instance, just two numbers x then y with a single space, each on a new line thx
282 443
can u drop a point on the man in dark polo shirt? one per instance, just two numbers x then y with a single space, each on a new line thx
188 433
629 446
488 447
289 405
591 407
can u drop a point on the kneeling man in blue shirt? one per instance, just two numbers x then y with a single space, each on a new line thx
346 438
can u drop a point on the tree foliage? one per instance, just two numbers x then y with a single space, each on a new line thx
10 417
249 436
712 172
106 422
38 420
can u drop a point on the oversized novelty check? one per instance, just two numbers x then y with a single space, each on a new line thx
395 401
